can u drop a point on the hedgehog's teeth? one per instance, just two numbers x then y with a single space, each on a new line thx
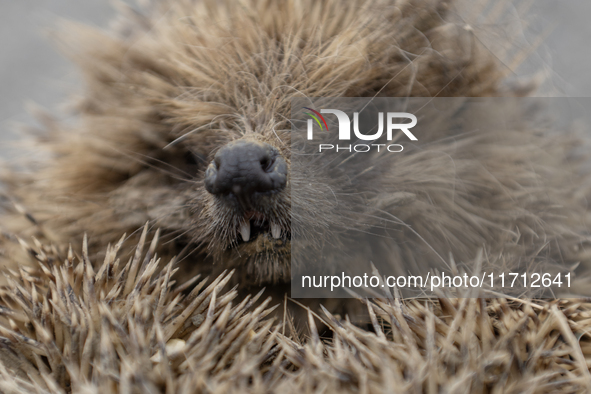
275 230
245 230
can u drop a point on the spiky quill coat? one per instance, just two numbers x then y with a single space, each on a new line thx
74 324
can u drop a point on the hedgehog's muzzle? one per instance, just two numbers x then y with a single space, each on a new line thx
244 168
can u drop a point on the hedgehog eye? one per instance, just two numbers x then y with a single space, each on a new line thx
190 159
194 159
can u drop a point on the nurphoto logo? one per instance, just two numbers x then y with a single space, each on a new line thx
344 133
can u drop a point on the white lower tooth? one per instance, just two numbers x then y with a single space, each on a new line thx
275 230
245 231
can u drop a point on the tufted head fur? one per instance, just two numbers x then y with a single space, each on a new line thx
172 86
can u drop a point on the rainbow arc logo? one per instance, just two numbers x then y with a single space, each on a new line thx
316 118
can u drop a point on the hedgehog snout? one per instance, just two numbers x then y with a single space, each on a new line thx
244 168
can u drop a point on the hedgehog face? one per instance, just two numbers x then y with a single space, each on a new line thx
220 195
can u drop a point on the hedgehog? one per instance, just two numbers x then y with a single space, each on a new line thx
184 124
183 131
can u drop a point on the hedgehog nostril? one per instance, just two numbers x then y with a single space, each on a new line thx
267 164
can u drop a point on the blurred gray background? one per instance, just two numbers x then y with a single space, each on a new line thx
31 70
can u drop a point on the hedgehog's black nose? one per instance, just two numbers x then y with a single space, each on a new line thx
244 168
